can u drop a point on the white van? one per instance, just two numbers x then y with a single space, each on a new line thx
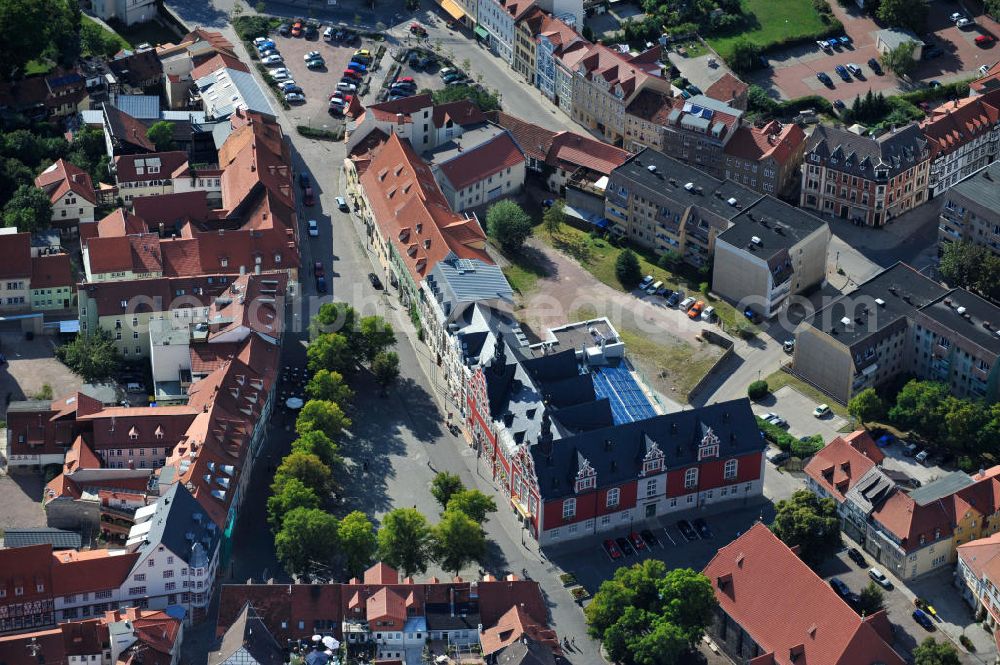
328 34
708 313
686 304
652 288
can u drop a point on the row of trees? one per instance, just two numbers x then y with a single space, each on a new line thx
966 428
307 536
649 615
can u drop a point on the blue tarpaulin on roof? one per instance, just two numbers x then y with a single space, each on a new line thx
602 223
69 327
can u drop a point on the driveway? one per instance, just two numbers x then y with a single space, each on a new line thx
797 409
899 607
31 364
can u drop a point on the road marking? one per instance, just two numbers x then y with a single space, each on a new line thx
667 534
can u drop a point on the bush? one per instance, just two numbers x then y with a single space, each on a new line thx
967 643
757 390
955 90
627 269
789 443
322 134
807 448
249 28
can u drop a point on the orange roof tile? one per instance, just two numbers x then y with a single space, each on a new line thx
386 603
727 89
838 466
773 140
217 62
64 177
953 124
786 609
511 627
93 570
479 163
120 223
51 271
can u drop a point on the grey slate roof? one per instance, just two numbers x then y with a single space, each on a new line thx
182 526
902 291
228 83
941 488
247 642
528 652
778 225
616 453
871 490
455 282
970 323
140 107
895 151
982 189
58 538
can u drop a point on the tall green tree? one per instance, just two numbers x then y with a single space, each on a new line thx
29 209
627 269
554 217
444 486
910 14
307 540
866 406
932 652
334 317
330 351
321 416
306 468
744 56
960 263
871 599
161 133
373 336
473 503
358 545
811 523
404 541
919 406
457 540
93 356
36 30
330 386
508 225
385 367
316 442
291 494
900 60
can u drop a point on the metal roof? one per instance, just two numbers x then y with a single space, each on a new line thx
943 487
455 281
58 538
224 90
140 107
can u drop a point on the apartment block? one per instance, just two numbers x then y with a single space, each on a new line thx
964 136
865 180
970 211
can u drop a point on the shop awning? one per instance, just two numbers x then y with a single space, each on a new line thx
453 9
481 32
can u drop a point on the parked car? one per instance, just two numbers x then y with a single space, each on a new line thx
651 289
417 29
843 73
674 298
751 315
308 197
281 74
346 87
263 44
267 52
854 69
288 86
284 29
316 63
964 22
646 281
823 44
839 586
612 549
357 66
788 345
686 303
636 541
880 578
875 66
445 71
846 41
984 70
779 458
293 89
375 281
297 27
328 34
824 78
956 17
353 75
341 203
695 310
272 60
931 52
985 41
922 456
294 97
406 79
313 228
693 89
318 270
857 557
304 180
454 77
310 55
821 411
839 104
321 284
363 52
923 619
310 31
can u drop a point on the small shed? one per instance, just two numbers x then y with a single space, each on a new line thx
891 38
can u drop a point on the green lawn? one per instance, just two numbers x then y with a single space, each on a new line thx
122 42
38 67
771 21
598 256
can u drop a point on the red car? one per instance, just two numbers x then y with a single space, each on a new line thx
318 270
985 40
351 74
297 29
637 542
405 79
307 196
612 549
417 29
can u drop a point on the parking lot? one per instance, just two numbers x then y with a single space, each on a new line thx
793 72
591 561
953 616
317 84
797 409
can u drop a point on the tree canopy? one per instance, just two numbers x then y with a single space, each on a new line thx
866 406
404 541
38 30
373 336
900 60
307 540
473 503
909 14
291 494
304 467
457 540
972 267
161 133
358 545
322 416
331 351
29 209
554 217
647 615
627 269
329 386
508 225
444 486
811 523
93 356
744 56
932 652
385 367
316 442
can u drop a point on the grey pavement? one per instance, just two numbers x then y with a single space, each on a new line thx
797 409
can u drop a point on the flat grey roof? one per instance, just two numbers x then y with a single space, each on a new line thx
981 188
940 488
777 225
972 321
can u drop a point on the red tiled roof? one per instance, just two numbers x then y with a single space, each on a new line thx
571 150
787 610
120 223
171 209
217 62
217 41
380 573
914 525
387 111
773 140
511 627
982 556
614 68
51 271
462 113
481 162
27 569
94 570
80 456
385 603
73 639
534 140
126 168
862 441
727 88
206 358
653 106
838 466
413 213
127 129
953 124
63 177
15 248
